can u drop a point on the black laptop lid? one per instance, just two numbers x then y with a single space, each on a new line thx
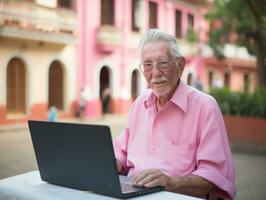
74 155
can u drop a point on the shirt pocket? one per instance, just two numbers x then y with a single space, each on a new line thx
181 158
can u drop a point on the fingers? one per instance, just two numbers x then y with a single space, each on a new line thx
143 175
144 179
149 178
154 183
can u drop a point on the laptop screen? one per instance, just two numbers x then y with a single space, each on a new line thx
79 156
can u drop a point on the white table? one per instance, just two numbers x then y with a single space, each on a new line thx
29 186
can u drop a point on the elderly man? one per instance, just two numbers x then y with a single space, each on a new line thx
175 135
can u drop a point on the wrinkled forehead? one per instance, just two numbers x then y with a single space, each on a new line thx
155 49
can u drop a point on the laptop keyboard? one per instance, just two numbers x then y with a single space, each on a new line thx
126 184
127 187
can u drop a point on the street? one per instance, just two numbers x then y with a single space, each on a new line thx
17 156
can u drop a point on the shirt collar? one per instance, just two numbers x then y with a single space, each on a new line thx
179 98
151 98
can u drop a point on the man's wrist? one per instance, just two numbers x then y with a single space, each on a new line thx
172 183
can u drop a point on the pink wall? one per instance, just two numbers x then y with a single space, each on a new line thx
90 54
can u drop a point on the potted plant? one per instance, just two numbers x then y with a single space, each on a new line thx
244 114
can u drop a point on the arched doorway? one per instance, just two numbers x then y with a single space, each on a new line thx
16 86
227 77
246 82
105 89
211 79
189 79
56 86
135 78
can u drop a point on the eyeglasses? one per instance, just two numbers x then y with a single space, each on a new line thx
162 65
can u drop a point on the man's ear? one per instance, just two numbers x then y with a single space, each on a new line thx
181 64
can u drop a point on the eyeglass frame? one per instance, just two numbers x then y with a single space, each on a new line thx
157 63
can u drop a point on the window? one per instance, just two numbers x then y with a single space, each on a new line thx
190 20
178 23
107 12
65 3
16 87
135 15
153 15
227 79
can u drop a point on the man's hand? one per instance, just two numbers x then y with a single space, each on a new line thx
191 185
151 178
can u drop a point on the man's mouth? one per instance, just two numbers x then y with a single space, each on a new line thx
159 83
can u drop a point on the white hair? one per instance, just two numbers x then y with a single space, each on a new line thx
155 35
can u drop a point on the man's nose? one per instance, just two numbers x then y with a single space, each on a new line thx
155 71
155 68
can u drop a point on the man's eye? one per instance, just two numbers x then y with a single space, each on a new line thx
147 64
163 62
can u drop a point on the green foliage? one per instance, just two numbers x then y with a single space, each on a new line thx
238 15
241 103
247 20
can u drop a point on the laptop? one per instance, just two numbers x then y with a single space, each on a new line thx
80 156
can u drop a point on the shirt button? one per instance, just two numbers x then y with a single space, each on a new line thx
153 149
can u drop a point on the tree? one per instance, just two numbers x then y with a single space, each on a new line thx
246 19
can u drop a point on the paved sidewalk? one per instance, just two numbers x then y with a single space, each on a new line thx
111 120
117 122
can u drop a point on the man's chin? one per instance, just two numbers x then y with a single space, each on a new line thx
161 92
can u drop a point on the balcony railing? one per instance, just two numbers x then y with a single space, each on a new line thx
29 18
188 48
108 37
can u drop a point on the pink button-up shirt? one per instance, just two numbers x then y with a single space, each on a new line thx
187 137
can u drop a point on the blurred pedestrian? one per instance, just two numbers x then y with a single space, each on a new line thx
83 97
198 84
105 99
52 116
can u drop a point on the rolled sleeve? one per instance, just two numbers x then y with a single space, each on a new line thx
214 176
214 158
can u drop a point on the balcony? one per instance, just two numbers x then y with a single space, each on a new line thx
188 48
26 20
108 38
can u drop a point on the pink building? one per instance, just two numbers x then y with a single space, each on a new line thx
109 33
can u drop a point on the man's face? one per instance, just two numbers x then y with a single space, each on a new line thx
163 76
